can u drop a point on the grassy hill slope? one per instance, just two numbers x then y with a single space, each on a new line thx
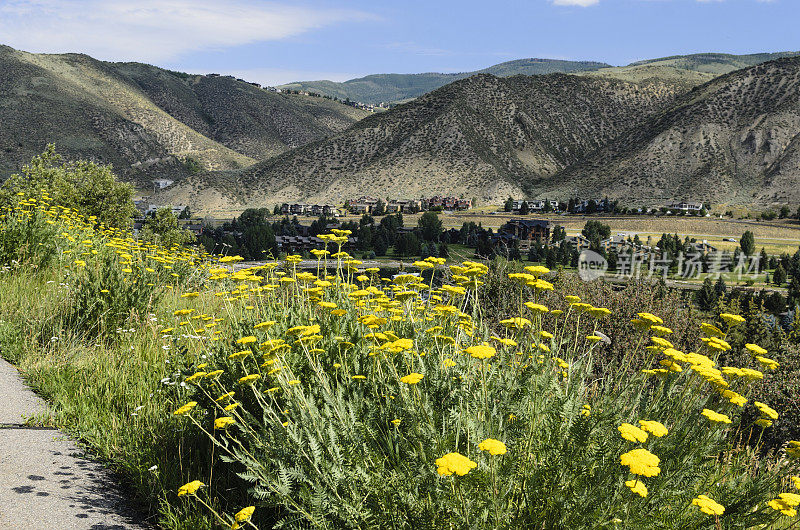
379 88
735 139
145 120
479 137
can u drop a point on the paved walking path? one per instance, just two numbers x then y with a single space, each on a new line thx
46 482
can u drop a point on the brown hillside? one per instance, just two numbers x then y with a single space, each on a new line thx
735 139
483 136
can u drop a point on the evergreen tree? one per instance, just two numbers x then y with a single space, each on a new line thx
706 297
430 226
779 275
748 243
524 209
720 288
509 205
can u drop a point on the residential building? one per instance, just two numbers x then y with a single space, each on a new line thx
686 206
526 231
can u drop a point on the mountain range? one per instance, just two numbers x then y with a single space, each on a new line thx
147 120
712 127
394 88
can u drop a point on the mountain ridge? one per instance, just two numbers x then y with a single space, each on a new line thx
109 112
393 88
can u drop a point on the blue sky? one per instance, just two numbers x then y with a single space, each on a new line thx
282 41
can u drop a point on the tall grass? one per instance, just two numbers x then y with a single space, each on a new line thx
345 399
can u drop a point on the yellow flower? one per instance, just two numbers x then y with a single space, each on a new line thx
196 375
249 379
536 308
493 447
766 410
239 355
265 324
515 323
763 423
246 340
793 451
598 312
731 319
715 416
186 408
637 486
447 363
641 462
396 422
653 427
244 514
537 270
755 349
767 363
708 505
796 482
734 397
481 351
454 463
224 422
712 330
190 488
783 506
651 318
225 397
632 433
412 378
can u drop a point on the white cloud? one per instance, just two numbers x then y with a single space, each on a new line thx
155 30
582 3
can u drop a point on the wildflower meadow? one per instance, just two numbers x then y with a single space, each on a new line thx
339 396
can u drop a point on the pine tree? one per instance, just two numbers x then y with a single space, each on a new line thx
779 276
706 297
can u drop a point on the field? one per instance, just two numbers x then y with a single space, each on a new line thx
776 237
485 396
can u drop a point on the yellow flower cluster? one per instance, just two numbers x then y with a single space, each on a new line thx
708 505
454 463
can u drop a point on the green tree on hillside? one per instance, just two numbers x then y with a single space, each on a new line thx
595 231
779 276
163 229
86 186
706 297
430 225
748 243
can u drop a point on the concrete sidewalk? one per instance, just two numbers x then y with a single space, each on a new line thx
46 482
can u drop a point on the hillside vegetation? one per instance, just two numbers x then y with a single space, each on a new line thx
147 121
715 63
480 137
733 140
378 88
684 70
471 396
